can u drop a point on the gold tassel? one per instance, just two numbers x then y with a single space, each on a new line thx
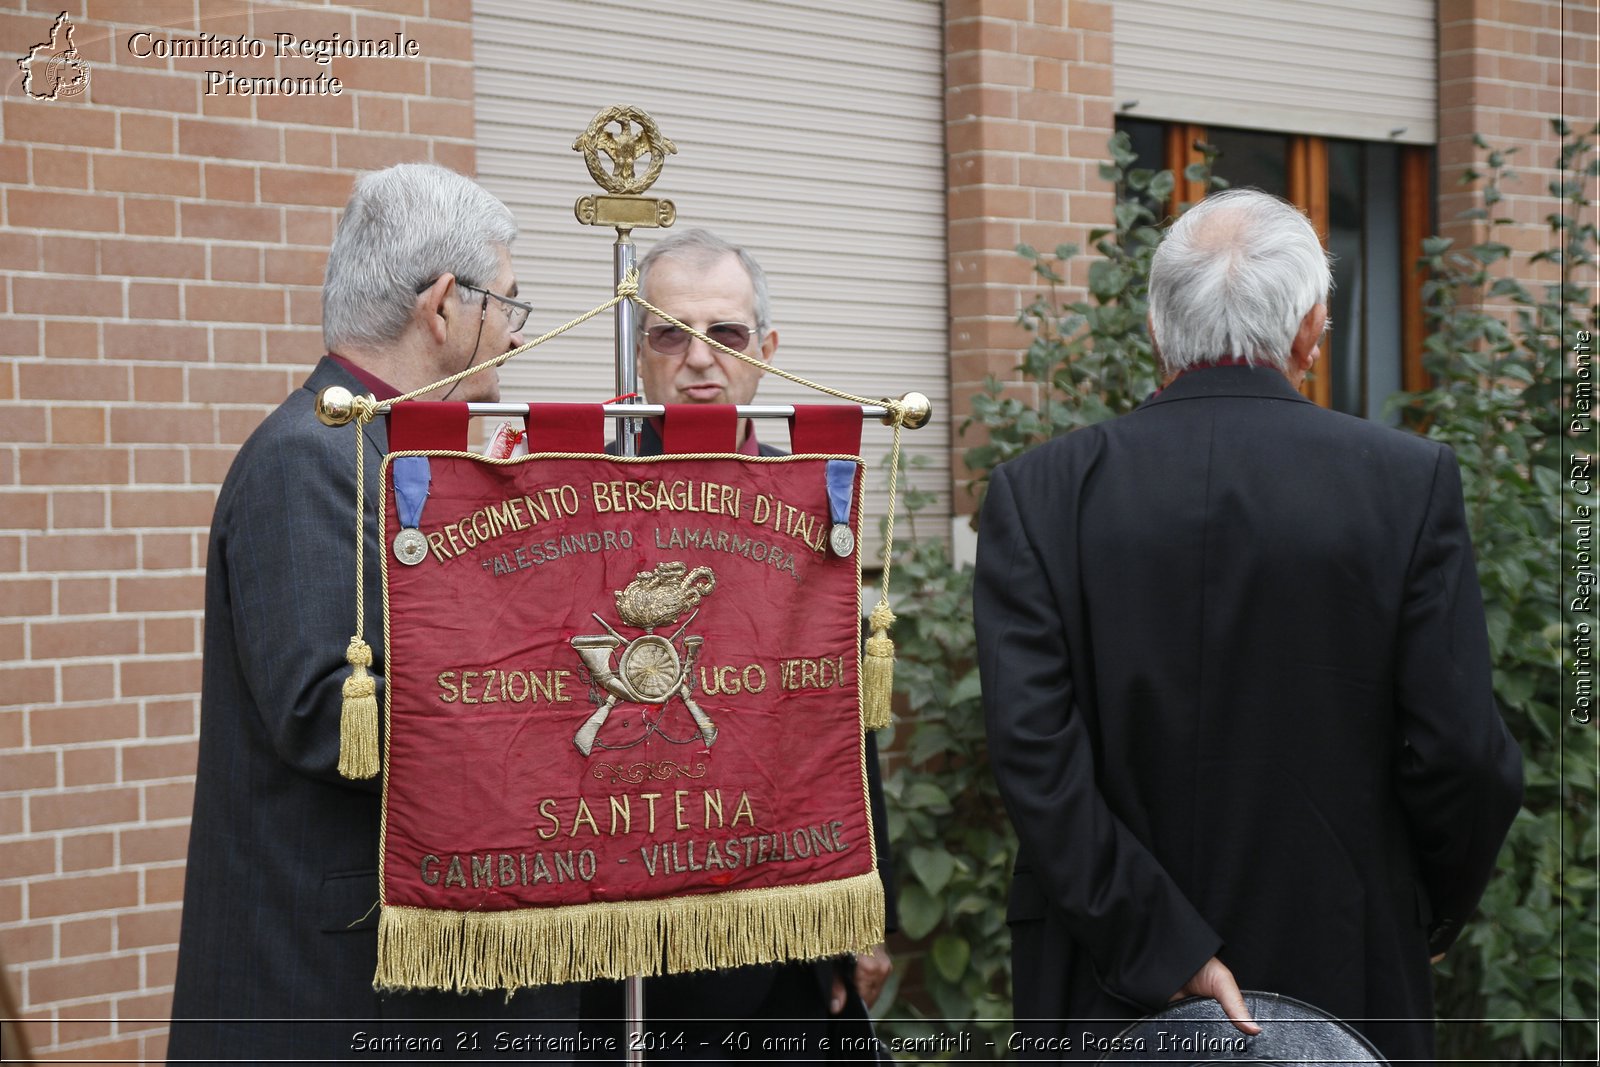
877 670
358 723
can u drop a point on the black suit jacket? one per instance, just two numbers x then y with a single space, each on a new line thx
280 897
1236 680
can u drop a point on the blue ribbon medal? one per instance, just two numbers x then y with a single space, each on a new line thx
411 480
841 490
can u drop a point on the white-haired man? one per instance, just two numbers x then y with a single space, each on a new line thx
719 289
279 918
1236 675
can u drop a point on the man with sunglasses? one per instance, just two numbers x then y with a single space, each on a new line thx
719 289
279 920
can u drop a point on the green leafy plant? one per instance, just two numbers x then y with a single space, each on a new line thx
1500 383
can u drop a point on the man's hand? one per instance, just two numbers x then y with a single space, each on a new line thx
1214 980
872 970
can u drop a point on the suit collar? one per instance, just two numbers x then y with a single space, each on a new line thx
1259 382
328 372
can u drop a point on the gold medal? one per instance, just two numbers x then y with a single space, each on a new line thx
410 547
841 540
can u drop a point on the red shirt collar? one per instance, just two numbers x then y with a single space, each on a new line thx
379 388
1225 361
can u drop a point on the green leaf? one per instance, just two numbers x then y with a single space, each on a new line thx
950 955
919 912
933 867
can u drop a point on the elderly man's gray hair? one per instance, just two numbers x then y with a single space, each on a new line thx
702 248
405 226
1234 276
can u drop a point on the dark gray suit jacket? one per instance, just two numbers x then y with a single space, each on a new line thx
280 899
1236 678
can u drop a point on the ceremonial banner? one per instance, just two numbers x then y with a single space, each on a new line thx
622 713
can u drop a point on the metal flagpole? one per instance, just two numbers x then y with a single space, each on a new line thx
625 135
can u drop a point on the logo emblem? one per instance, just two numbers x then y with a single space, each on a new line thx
653 671
53 70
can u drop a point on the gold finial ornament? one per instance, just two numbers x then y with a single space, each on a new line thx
625 147
624 136
915 408
335 405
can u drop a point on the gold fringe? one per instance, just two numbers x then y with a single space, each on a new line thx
358 722
425 948
877 670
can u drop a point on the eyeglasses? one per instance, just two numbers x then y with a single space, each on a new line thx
516 311
669 340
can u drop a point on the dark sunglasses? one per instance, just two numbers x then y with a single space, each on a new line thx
669 340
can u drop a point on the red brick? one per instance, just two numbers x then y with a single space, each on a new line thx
322 111
19 251
210 465
71 340
328 188
60 168
405 76
450 81
28 770
230 303
78 511
61 211
308 227
235 263
13 644
159 385
446 118
38 121
70 255
67 811
88 681
78 466
295 266
146 174
369 151
36 941
156 844
48 296
137 340
231 344
24 597
459 156
10 547
230 183
173 800
84 638
305 307
152 300
71 381
229 140
160 677
146 928
310 148
159 259
18 338
71 981
83 596
158 466
78 426
149 90
26 425
169 637
139 594
382 114
160 968
155 218
165 552
146 133
163 885
145 508
13 165
23 511
168 718
67 726
233 222
87 937
89 766
11 823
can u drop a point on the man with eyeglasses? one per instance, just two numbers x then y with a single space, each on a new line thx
280 899
719 289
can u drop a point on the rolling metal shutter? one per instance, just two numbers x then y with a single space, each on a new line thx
1362 69
812 133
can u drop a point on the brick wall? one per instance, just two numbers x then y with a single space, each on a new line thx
163 253
1505 68
1028 112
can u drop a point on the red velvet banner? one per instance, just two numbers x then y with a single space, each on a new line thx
621 680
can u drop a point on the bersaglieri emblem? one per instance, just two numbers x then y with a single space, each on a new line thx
652 670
